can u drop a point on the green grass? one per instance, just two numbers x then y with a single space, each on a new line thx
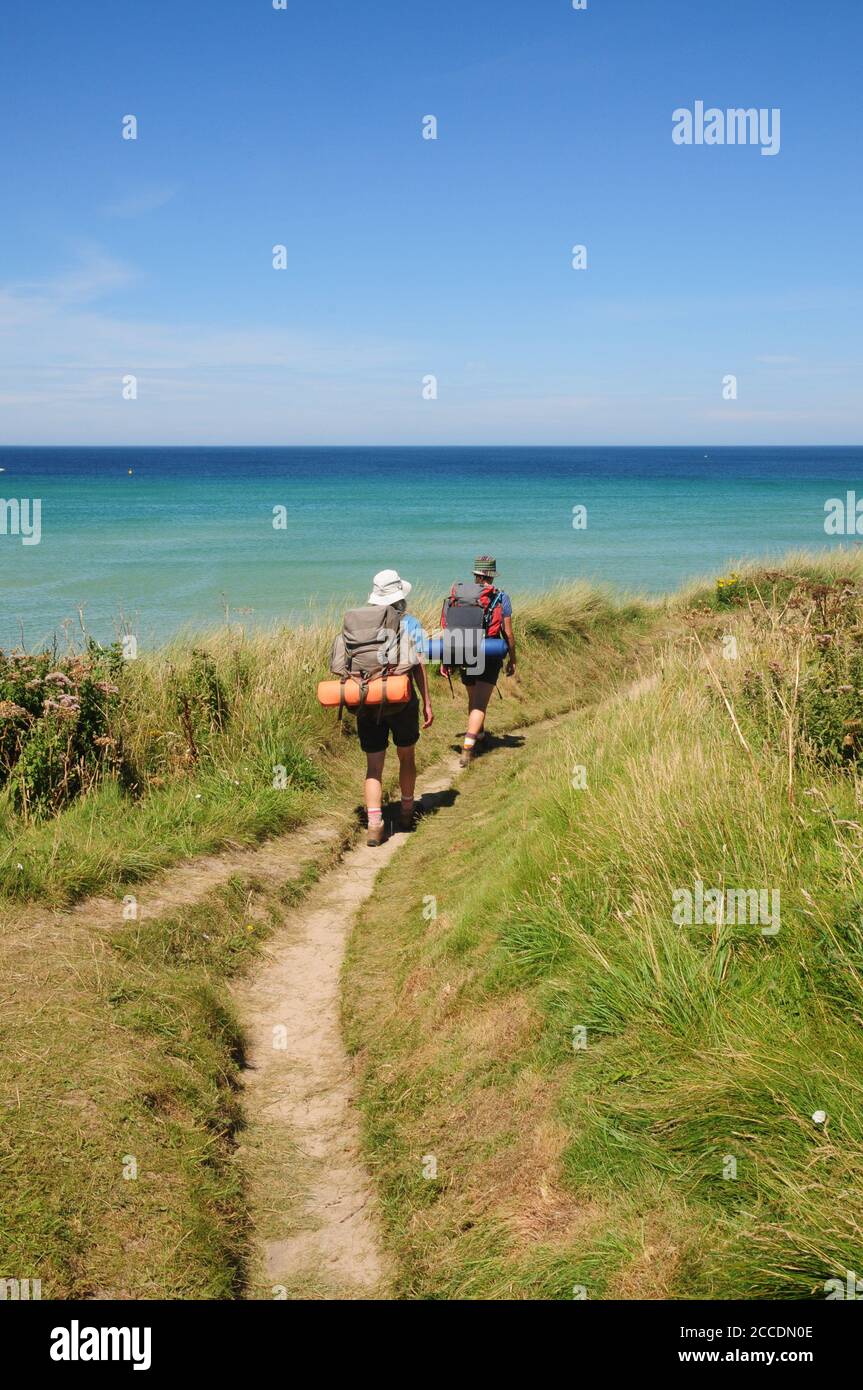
120 1041
120 1048
604 1166
558 1169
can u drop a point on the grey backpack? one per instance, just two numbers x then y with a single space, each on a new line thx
368 644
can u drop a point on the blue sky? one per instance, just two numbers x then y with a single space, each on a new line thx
409 257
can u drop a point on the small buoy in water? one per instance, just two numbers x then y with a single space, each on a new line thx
819 1117
130 472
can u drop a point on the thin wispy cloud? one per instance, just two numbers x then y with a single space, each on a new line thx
94 276
135 202
84 333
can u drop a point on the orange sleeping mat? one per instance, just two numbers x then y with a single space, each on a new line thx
398 692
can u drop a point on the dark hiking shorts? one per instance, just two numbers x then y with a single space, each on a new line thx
402 721
492 670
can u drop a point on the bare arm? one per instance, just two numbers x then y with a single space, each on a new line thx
421 679
510 642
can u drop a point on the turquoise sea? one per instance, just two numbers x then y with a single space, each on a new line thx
163 539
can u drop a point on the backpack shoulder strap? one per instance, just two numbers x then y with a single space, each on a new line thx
495 601
447 601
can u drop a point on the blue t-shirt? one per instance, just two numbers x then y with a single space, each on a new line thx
505 605
413 627
412 637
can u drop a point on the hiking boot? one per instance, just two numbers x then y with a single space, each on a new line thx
407 819
466 757
376 834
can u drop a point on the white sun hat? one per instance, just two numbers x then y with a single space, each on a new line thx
389 588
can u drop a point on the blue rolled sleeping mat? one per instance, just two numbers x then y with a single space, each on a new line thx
451 651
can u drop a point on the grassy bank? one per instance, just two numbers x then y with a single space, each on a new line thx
567 1092
174 753
119 1049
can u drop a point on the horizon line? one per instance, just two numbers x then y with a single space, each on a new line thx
240 444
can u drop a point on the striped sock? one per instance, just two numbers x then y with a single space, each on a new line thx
469 740
376 815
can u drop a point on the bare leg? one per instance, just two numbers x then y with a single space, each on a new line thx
372 791
407 772
478 698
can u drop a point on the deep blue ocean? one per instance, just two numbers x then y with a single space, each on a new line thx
188 533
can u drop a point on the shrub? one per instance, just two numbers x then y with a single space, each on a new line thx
56 716
818 686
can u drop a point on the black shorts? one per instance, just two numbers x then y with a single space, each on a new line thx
402 721
492 670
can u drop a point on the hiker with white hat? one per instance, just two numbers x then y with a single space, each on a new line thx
388 587
382 639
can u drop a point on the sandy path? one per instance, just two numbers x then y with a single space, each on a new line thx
301 1080
272 864
313 1202
314 1206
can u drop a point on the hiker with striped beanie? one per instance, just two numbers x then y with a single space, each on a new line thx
480 605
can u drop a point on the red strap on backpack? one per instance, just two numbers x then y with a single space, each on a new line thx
494 606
